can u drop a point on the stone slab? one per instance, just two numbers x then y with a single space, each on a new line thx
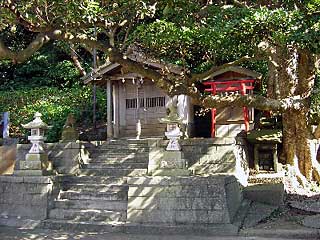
256 213
36 157
190 230
306 205
31 165
159 231
26 172
172 160
216 179
20 222
171 172
312 221
265 193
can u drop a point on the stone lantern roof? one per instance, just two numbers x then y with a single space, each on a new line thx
37 123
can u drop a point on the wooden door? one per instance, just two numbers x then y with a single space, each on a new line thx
149 108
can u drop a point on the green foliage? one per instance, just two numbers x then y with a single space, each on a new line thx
212 40
49 67
213 35
53 103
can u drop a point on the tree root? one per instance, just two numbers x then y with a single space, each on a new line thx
300 177
315 170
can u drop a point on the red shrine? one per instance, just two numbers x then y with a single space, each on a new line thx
232 80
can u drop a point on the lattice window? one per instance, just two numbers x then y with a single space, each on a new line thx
155 102
131 103
148 102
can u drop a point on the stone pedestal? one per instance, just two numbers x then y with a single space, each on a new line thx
35 164
171 163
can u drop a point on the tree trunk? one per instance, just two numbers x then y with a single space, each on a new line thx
296 145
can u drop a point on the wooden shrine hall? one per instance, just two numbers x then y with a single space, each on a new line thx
135 104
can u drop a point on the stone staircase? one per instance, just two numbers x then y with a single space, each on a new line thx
97 198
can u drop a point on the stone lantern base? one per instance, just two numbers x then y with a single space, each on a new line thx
36 164
167 163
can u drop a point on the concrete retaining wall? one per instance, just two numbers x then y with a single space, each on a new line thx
183 200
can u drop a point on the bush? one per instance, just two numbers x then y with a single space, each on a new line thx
54 104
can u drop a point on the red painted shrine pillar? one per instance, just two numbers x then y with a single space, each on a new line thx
245 109
213 113
213 122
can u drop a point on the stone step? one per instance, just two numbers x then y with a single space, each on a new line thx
88 188
128 142
119 159
265 178
121 227
103 165
114 172
109 195
130 147
115 159
83 226
122 152
88 215
91 204
145 132
118 153
91 179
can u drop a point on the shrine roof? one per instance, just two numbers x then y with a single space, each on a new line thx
242 73
110 68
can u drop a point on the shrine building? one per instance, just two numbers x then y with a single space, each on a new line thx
135 104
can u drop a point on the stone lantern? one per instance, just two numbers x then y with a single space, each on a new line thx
36 161
37 137
173 132
170 162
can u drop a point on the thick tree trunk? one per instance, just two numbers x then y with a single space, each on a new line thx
296 145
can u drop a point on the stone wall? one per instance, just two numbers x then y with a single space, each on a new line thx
183 200
25 197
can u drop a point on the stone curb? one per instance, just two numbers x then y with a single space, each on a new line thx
282 233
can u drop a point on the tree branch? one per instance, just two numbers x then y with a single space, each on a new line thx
256 101
21 20
37 43
76 61
160 80
21 56
79 39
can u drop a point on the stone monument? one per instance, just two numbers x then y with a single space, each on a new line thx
69 133
36 162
